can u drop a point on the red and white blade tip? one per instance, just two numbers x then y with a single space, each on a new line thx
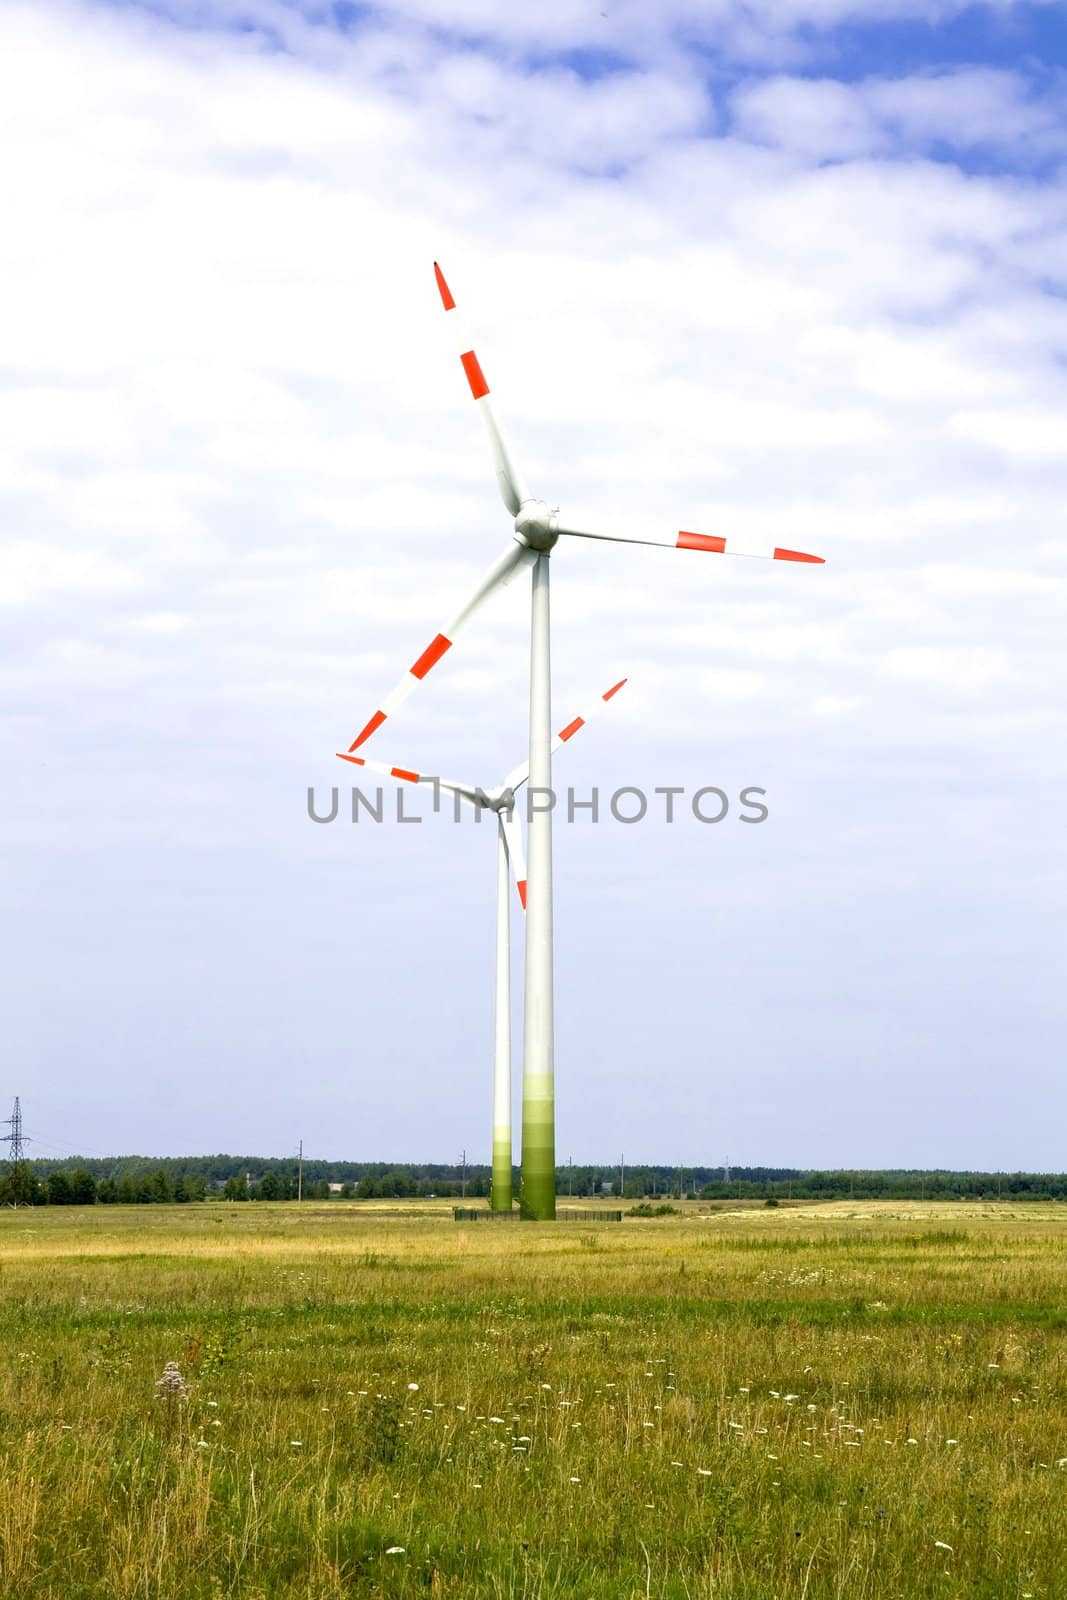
404 773
797 555
443 290
471 366
521 887
438 646
715 544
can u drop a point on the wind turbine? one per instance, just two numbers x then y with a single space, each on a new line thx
537 528
509 860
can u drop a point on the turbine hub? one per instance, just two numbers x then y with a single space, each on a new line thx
536 525
498 800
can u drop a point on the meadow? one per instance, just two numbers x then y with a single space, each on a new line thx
861 1401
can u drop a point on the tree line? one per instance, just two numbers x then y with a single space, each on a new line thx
141 1180
76 1186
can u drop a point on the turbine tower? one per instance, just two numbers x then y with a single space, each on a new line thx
536 529
501 801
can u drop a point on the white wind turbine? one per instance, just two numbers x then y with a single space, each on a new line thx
537 527
510 862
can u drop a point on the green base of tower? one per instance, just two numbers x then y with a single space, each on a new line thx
500 1195
537 1191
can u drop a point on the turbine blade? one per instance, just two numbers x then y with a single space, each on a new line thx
715 544
468 791
518 775
516 558
512 487
509 822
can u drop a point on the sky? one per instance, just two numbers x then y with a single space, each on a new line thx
786 270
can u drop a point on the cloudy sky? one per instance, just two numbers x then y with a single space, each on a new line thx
789 269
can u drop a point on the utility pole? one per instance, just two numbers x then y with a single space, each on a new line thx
300 1173
463 1180
622 1176
570 1175
14 1140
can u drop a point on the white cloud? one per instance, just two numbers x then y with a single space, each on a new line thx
826 120
965 671
32 569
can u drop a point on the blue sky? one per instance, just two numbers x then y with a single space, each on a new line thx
792 271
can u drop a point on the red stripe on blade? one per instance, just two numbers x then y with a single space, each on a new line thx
572 728
521 887
431 656
614 690
357 761
797 555
402 772
475 376
443 290
700 541
372 727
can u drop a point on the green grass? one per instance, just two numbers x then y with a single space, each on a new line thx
792 1403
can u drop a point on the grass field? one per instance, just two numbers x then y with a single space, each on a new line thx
849 1401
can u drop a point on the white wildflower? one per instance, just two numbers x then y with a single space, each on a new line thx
939 1544
395 1550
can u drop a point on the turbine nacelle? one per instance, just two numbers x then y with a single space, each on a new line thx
537 525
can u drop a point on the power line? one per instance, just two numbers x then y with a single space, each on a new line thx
64 1150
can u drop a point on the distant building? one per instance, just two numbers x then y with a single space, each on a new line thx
335 1188
607 1188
